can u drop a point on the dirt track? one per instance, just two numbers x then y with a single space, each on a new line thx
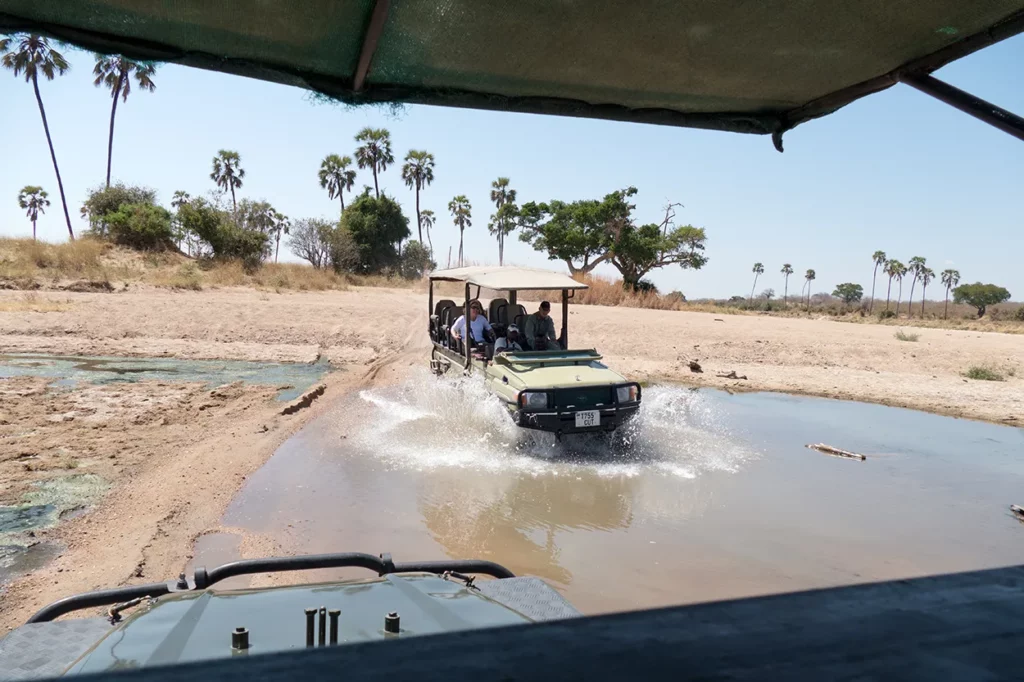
171 481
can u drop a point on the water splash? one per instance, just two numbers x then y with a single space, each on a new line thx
431 423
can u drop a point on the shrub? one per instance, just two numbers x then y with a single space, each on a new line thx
1019 314
902 336
983 374
376 225
104 201
141 226
886 314
415 261
980 296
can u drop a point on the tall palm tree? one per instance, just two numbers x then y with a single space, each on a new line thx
891 268
32 55
901 272
418 172
810 276
914 267
879 257
115 72
33 200
501 195
758 271
926 276
461 216
374 152
228 173
280 225
950 278
336 176
787 270
427 220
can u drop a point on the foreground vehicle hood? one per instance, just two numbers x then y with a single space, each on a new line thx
553 370
198 625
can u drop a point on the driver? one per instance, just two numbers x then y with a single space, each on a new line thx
509 342
478 325
540 329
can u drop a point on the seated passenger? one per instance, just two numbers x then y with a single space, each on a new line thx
509 342
540 329
478 325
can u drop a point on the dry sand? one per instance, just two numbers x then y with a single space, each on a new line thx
175 454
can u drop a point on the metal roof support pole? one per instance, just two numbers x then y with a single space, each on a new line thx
468 332
565 319
373 31
430 306
995 116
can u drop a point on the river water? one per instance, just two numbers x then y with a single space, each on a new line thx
706 496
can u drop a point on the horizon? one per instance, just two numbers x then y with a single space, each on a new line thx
845 182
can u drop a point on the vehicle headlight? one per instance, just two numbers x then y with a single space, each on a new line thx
625 394
533 400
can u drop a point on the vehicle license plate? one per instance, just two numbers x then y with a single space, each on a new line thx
587 419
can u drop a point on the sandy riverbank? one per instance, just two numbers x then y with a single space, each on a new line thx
170 482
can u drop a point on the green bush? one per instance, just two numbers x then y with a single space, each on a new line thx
140 226
1019 314
415 261
220 236
983 374
376 226
104 201
886 314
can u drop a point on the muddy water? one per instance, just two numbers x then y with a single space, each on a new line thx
707 496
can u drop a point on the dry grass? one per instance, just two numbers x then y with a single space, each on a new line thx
903 336
25 259
33 302
984 374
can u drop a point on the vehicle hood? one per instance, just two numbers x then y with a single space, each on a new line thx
197 626
555 372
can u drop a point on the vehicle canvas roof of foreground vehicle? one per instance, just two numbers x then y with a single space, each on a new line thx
553 388
752 67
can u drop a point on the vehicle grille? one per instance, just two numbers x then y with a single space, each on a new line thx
583 397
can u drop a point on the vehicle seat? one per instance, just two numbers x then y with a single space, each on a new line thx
448 317
435 319
498 305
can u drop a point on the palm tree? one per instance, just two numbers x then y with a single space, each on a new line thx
374 152
418 172
787 270
280 225
926 276
427 220
758 270
228 173
116 73
501 195
336 176
33 200
950 278
891 268
32 55
900 273
460 210
879 257
810 276
915 267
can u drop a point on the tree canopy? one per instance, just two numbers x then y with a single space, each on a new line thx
849 292
980 296
377 226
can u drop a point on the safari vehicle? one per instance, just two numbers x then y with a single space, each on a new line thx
561 391
188 619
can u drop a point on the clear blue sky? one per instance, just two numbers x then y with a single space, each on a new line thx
896 171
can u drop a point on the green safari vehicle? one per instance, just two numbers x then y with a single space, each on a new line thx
562 391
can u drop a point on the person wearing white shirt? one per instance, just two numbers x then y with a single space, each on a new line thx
478 324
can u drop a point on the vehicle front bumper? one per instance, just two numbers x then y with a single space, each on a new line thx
564 421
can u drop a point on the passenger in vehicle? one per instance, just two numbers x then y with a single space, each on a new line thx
478 325
509 342
540 329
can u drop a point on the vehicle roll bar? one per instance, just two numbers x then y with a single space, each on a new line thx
203 578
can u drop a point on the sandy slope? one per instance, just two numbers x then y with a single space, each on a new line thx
172 481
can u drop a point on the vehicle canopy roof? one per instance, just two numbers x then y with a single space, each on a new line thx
506 278
752 67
